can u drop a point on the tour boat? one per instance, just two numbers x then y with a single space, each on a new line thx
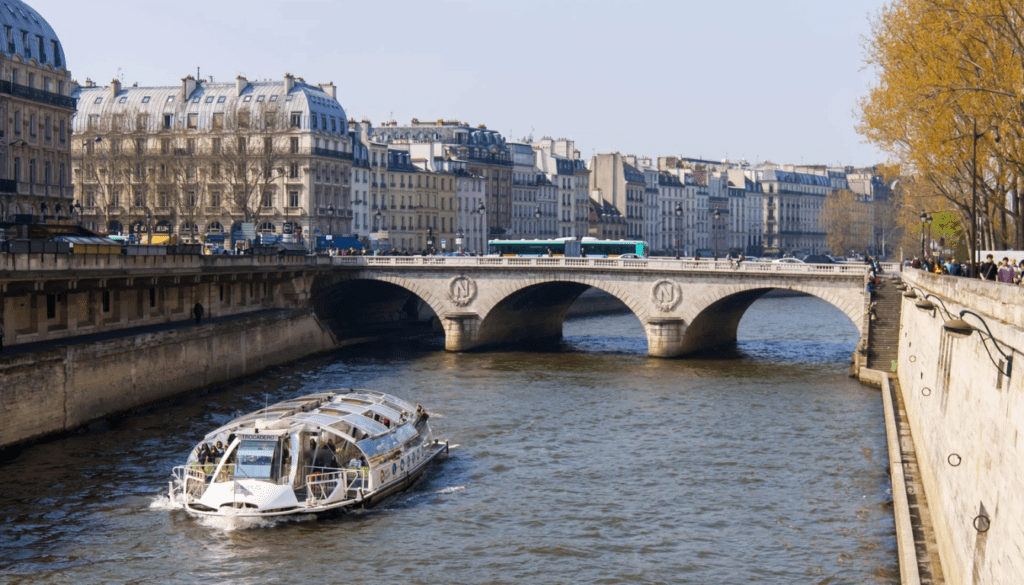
328 451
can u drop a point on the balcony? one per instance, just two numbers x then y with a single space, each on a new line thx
332 153
37 95
293 211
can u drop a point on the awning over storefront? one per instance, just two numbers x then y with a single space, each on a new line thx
343 242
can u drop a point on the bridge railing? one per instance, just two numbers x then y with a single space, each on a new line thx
660 264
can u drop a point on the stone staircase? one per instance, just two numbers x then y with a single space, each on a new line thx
884 328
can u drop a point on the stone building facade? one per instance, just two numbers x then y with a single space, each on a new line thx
36 108
200 159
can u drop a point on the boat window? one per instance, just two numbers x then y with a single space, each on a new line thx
255 459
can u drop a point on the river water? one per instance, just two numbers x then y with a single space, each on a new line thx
583 461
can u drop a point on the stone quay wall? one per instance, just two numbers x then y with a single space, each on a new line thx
967 421
57 390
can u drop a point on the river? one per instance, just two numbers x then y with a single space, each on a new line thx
582 461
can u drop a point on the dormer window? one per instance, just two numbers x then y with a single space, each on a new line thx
145 99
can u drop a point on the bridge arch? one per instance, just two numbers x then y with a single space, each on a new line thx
536 307
714 318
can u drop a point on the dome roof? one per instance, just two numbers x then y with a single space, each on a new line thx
27 34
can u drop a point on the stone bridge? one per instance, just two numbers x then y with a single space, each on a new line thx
685 306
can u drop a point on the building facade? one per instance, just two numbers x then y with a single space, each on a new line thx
36 109
624 187
484 151
200 160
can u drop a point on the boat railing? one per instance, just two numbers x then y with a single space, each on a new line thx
192 479
323 482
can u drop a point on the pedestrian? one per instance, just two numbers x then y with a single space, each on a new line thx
198 312
1005 273
988 269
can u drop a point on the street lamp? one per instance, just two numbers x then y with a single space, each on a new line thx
459 234
714 229
926 218
430 240
330 219
679 215
480 210
149 227
974 195
76 211
376 226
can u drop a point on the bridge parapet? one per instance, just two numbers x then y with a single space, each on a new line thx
666 264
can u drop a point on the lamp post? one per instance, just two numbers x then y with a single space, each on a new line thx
536 215
430 241
481 211
330 220
973 247
679 217
459 234
149 226
376 226
714 229
76 212
926 218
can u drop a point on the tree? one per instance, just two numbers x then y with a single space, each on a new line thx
253 155
102 170
847 221
950 79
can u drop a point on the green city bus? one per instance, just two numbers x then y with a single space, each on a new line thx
527 248
614 248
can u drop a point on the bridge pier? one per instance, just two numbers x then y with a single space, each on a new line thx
460 330
665 336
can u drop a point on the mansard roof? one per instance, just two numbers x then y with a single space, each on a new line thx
795 178
28 35
206 99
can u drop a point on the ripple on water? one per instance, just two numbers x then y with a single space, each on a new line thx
581 461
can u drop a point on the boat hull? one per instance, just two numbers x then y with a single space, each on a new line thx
362 501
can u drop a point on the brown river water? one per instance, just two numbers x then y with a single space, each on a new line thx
579 461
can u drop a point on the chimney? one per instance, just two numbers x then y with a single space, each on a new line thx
289 82
241 83
115 87
188 85
329 89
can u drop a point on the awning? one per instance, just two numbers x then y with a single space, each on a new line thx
344 242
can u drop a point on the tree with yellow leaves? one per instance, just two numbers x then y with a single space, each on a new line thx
947 107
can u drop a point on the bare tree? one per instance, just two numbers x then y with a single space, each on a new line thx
102 173
253 156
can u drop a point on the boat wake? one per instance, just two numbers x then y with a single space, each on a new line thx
451 490
227 522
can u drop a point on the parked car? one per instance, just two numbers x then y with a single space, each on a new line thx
788 261
818 259
631 256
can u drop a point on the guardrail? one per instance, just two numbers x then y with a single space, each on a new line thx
658 264
13 263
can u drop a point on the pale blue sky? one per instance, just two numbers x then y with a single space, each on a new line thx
759 79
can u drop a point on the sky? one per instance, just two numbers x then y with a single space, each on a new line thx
761 80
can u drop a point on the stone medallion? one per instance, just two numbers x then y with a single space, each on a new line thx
461 290
666 295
